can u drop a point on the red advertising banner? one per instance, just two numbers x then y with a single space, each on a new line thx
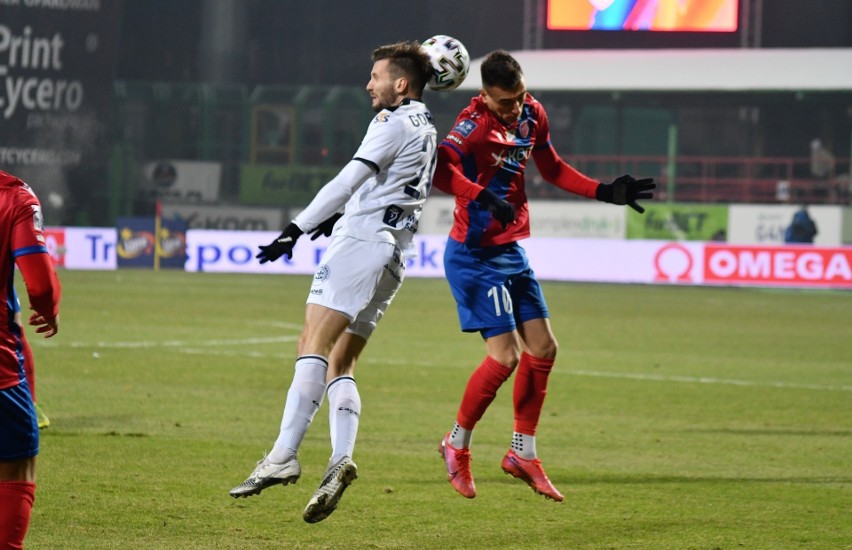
778 266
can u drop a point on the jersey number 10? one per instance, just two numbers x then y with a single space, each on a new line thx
496 293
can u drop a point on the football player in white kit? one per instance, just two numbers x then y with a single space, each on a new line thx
381 191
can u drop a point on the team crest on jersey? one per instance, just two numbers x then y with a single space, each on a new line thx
322 274
465 127
524 129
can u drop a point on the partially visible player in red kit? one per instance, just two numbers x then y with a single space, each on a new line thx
21 243
482 162
29 367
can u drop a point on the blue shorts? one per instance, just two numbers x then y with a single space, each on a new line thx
494 287
18 424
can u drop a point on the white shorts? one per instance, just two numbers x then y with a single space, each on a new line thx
358 279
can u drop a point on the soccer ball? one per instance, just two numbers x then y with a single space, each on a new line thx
450 62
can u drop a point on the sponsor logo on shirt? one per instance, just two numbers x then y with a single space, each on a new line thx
516 155
465 127
382 117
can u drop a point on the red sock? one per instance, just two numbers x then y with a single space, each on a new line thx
480 391
530 389
29 366
16 504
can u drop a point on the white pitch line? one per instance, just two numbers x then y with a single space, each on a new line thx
705 380
182 343
657 377
653 377
242 354
199 348
278 324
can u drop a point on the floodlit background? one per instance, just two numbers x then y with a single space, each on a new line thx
242 108
702 393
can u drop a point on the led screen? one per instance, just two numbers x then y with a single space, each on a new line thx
643 15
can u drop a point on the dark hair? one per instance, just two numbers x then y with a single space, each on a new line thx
501 69
409 60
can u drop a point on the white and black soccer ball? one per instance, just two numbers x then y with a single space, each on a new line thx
450 62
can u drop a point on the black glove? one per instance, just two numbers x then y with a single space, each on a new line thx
326 227
625 190
282 246
503 212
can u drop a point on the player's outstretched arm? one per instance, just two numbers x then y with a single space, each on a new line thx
626 190
561 174
281 246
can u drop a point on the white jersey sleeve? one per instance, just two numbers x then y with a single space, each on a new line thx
400 145
333 195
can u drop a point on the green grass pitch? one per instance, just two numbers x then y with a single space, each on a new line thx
676 417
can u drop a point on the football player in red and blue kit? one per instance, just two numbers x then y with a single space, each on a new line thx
21 243
482 163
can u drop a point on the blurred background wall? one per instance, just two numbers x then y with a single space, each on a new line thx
256 103
329 41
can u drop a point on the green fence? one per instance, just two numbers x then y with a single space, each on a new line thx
298 136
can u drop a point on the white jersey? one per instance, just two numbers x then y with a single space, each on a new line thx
400 149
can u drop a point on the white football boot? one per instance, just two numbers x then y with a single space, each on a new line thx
267 474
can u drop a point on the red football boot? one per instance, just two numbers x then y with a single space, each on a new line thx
531 472
458 468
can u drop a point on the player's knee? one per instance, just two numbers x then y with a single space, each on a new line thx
549 350
23 469
508 357
544 349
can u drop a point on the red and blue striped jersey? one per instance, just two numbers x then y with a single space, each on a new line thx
482 151
20 235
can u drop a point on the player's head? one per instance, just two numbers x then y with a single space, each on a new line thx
503 87
399 70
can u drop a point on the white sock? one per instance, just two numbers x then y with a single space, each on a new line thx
344 411
303 400
524 445
460 437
